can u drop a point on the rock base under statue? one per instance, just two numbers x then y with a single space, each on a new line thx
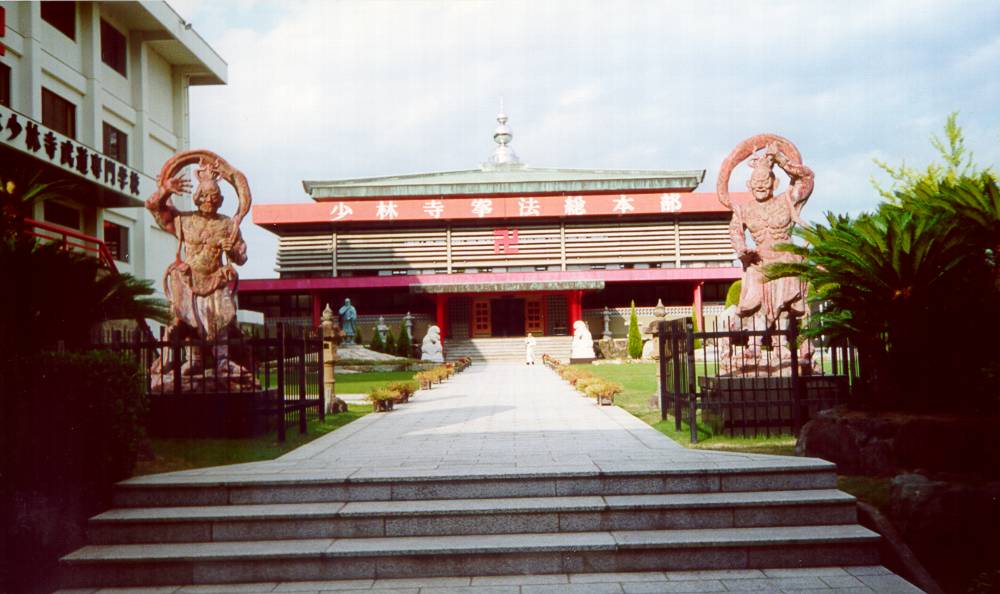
732 405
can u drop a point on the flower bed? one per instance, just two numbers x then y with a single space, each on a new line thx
600 389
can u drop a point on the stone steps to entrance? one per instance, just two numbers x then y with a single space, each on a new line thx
508 349
472 516
396 524
471 555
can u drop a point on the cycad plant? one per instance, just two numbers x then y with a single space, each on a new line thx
56 295
898 283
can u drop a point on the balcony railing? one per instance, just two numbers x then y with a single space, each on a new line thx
71 240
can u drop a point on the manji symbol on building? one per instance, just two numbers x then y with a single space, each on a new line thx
505 241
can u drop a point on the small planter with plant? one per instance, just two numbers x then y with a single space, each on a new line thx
382 399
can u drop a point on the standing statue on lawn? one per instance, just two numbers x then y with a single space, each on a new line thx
200 282
769 219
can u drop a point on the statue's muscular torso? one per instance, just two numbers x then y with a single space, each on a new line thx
203 236
769 222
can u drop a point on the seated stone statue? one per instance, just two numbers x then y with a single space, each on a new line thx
583 342
430 348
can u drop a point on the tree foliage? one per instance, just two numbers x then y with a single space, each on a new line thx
377 345
390 342
404 342
903 282
634 337
733 294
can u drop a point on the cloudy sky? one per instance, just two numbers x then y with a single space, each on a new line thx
332 90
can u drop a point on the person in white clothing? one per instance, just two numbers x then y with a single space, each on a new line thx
529 350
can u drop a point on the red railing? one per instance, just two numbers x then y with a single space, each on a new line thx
71 240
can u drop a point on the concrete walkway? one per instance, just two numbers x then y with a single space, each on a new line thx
490 420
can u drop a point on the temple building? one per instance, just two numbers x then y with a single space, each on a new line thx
500 250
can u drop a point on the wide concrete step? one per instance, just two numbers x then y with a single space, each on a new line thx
401 485
473 555
508 349
472 516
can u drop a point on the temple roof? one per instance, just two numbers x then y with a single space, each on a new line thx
514 180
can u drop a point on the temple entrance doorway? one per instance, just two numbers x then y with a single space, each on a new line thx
507 317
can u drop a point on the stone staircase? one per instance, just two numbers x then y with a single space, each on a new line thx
214 529
508 349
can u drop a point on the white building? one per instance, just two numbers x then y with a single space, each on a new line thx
96 93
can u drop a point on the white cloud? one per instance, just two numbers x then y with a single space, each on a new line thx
325 90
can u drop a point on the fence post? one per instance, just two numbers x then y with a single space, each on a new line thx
675 358
280 404
692 381
175 354
792 338
303 427
661 339
320 378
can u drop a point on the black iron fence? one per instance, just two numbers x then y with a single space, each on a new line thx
235 386
750 381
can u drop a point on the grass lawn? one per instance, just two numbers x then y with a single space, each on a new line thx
172 454
638 397
361 383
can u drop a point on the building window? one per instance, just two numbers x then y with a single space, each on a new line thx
113 48
62 16
58 113
60 214
116 238
115 144
5 85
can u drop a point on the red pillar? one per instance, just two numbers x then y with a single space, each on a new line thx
441 313
317 308
699 313
574 307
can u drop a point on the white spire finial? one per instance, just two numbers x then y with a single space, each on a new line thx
503 156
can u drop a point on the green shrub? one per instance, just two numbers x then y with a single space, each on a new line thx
694 327
390 342
733 294
382 393
377 345
359 338
634 337
404 389
403 346
72 427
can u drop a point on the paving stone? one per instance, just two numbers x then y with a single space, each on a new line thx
790 583
573 589
473 590
229 588
423 582
635 576
520 580
324 585
142 590
860 570
842 581
685 586
888 583
716 574
805 572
